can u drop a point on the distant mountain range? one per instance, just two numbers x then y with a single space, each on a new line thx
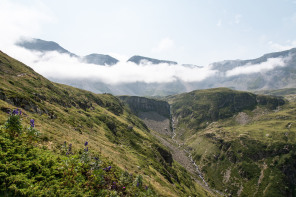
280 75
266 79
98 59
48 46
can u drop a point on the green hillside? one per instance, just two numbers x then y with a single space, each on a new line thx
243 143
66 115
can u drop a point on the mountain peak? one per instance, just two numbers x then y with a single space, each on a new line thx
43 46
137 59
99 59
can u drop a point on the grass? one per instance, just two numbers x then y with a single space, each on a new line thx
28 168
251 159
63 113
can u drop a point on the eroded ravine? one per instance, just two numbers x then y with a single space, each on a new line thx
184 157
186 151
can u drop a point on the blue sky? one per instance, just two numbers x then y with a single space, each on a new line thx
188 31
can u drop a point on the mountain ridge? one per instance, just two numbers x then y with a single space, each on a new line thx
67 114
277 75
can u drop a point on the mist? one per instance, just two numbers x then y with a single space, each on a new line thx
20 21
270 64
62 66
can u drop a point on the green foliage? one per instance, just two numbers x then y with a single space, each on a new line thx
66 113
13 125
29 170
243 143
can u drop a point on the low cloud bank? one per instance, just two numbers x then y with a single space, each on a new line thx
270 64
62 66
20 20
55 65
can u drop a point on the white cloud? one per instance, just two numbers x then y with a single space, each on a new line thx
164 45
270 64
219 24
25 21
62 66
281 47
17 20
237 18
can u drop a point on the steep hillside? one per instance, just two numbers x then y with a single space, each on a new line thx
244 144
279 92
196 109
66 114
154 113
142 104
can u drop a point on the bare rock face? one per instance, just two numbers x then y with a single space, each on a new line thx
142 104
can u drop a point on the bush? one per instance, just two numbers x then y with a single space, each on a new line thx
27 170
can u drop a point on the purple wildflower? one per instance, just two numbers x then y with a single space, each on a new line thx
70 148
146 187
32 123
138 184
107 169
15 112
86 149
96 158
86 143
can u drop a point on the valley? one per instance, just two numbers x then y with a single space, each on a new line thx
212 142
242 145
64 114
148 98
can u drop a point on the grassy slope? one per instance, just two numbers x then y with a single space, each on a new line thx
279 92
243 152
63 113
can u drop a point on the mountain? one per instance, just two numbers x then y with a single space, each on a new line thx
138 59
266 79
243 143
226 65
99 59
268 72
34 164
213 142
48 46
239 143
43 46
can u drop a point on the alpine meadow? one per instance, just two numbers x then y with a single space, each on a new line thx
148 98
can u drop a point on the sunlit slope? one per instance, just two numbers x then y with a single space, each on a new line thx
243 143
63 113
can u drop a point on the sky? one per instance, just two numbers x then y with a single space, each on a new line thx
188 31
195 32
